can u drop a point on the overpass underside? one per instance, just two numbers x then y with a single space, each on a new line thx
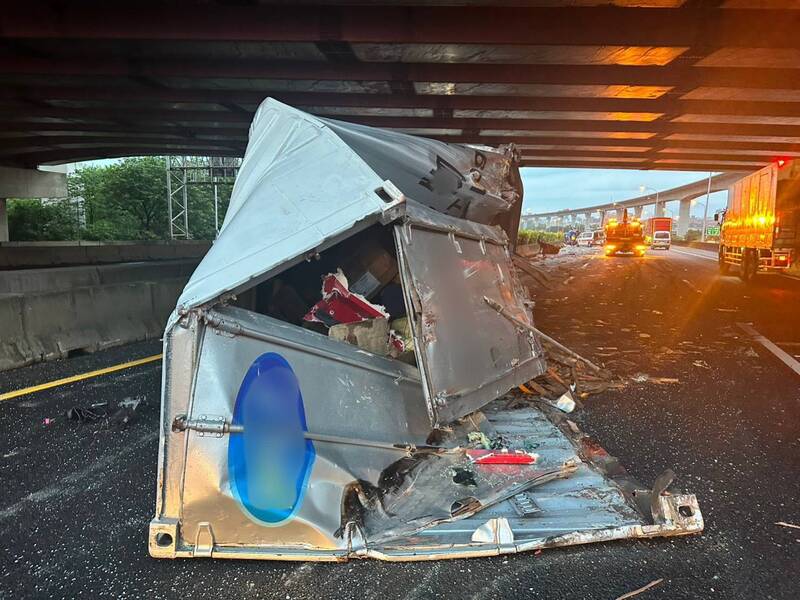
659 84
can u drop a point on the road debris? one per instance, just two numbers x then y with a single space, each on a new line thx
564 403
480 439
88 414
645 378
120 413
784 524
701 364
691 286
640 590
548 248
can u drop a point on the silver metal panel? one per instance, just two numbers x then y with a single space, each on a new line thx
346 392
479 184
299 185
467 354
585 507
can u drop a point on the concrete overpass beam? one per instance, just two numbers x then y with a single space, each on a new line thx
683 217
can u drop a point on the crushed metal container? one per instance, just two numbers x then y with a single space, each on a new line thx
280 442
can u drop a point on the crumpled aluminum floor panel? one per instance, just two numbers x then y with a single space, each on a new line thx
586 507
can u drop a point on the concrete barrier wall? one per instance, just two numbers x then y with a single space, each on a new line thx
27 281
46 314
26 255
46 326
710 246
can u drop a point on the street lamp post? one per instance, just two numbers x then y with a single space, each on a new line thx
705 210
643 188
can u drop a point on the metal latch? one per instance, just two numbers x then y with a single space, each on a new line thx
206 424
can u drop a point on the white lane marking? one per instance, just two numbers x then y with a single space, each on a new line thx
692 254
783 356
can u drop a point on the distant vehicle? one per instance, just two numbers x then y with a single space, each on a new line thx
759 228
661 239
654 224
571 237
624 236
591 238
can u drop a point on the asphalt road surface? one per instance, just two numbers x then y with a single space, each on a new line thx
76 499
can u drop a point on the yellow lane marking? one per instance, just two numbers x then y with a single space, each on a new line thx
80 377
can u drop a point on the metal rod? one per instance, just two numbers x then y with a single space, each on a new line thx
705 209
503 313
218 322
220 426
185 193
169 198
216 207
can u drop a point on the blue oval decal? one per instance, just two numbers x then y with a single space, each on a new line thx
270 462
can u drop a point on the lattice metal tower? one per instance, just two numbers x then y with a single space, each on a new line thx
183 171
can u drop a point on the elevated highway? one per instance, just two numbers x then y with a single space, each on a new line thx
684 194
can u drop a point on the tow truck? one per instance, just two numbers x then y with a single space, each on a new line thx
759 227
624 236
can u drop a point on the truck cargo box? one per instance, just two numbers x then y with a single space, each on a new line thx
281 441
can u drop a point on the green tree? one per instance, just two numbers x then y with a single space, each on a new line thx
126 200
31 220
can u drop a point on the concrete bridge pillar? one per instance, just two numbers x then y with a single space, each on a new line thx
587 219
658 209
684 214
637 211
3 220
27 183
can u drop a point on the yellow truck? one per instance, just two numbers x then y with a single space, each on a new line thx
759 228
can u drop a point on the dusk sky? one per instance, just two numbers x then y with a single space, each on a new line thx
551 189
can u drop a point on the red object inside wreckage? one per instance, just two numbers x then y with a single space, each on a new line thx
340 305
501 457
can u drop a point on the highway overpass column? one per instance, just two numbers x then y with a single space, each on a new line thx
3 220
659 209
27 183
637 211
684 217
